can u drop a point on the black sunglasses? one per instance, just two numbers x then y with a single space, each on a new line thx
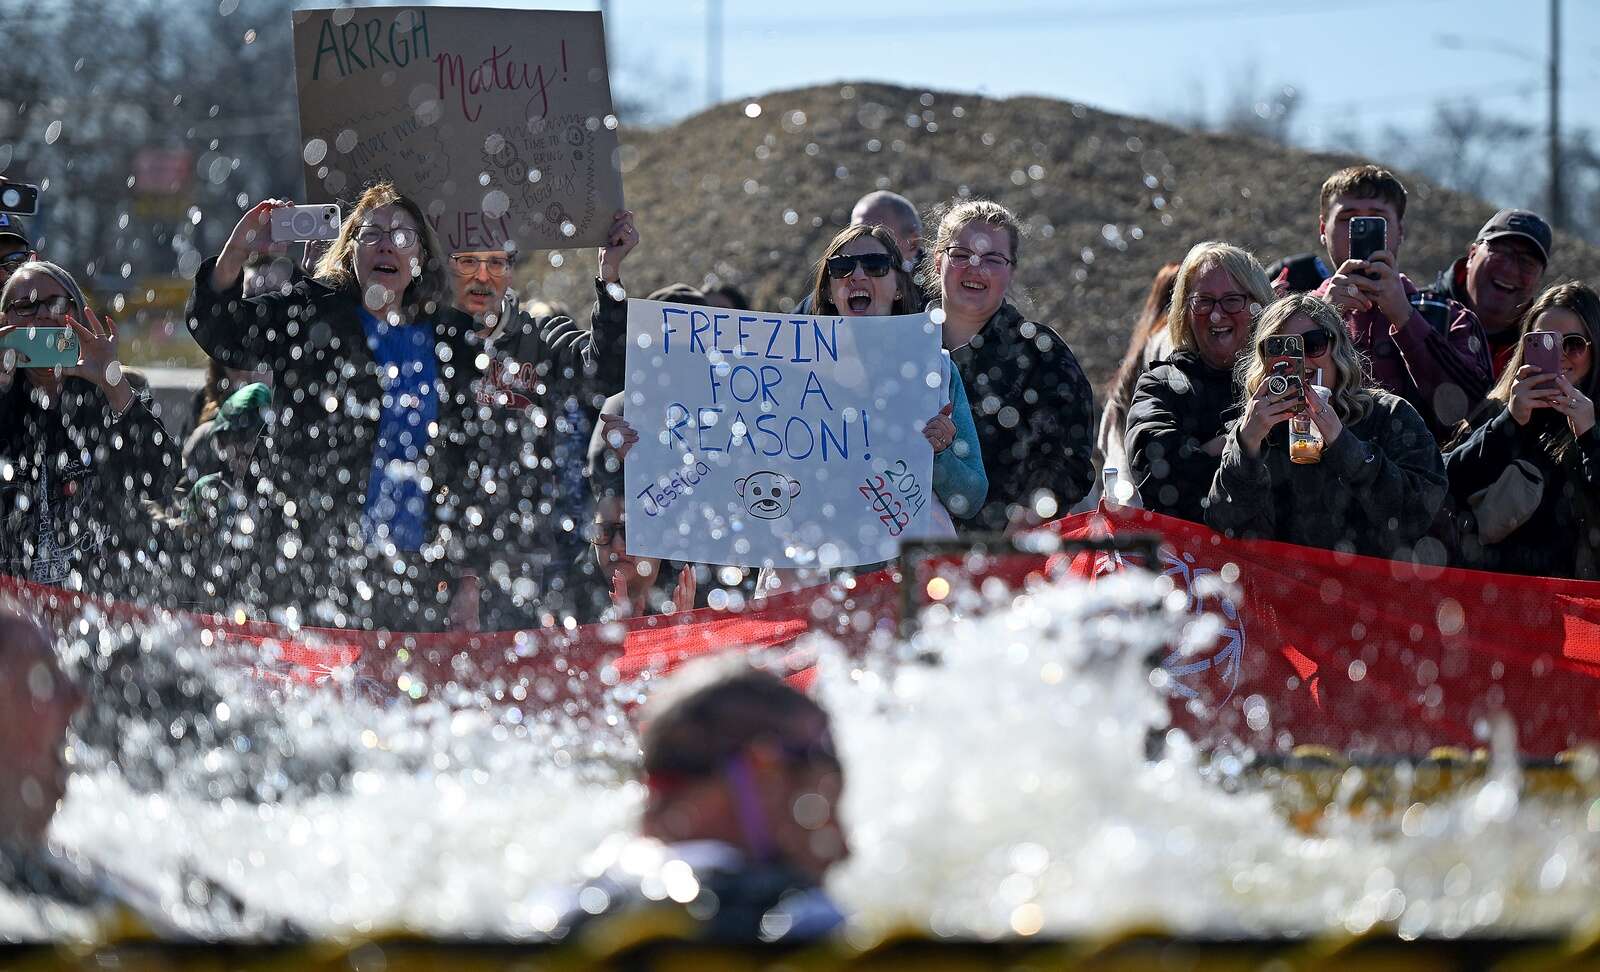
872 264
1317 342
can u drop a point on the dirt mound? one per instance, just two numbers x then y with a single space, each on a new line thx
1105 199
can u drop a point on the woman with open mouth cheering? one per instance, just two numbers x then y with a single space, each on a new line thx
370 362
1181 406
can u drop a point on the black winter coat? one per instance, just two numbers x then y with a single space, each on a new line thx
1178 406
1562 537
1375 492
327 399
1035 415
525 442
91 532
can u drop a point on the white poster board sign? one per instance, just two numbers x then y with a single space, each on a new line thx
497 121
776 439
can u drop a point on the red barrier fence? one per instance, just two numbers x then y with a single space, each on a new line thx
1363 656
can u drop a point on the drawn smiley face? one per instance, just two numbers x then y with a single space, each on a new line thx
767 495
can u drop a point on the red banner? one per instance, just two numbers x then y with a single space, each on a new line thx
1360 655
1370 656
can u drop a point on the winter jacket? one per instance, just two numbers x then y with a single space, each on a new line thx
1443 371
1562 537
1375 492
1178 406
1451 284
72 481
525 443
1035 415
328 402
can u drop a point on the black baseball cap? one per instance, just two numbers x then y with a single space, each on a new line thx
11 228
1519 222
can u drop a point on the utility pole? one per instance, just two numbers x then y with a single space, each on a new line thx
1557 210
713 52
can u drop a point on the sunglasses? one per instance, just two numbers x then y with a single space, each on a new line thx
1317 343
14 260
871 264
29 309
1574 344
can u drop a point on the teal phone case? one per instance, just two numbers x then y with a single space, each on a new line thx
43 347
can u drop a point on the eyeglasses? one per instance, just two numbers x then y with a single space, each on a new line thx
602 534
1574 344
871 264
404 237
990 260
468 266
51 306
1202 306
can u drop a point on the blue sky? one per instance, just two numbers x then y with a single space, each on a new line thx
1371 65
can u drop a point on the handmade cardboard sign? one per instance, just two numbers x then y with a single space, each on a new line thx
498 122
777 439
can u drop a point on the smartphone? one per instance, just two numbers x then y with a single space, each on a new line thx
295 224
1284 355
19 198
42 347
1542 349
1368 235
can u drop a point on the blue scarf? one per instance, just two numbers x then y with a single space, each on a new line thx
397 504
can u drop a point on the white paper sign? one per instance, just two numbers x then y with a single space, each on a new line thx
782 440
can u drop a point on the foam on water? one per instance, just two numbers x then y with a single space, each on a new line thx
997 785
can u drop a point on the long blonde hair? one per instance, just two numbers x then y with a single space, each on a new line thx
1352 392
1244 268
1583 303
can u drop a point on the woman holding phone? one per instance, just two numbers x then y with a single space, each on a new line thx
1525 472
1380 479
80 445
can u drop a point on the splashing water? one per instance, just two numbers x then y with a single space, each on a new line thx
997 786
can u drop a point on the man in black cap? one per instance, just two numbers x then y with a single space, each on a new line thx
15 248
1500 276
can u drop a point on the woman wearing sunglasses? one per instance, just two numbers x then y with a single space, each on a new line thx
80 448
1380 480
1181 407
1525 472
372 372
861 275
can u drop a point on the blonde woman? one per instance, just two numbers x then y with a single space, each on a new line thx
1380 481
1181 406
1032 406
1526 476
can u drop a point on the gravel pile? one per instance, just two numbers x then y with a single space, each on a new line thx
751 191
